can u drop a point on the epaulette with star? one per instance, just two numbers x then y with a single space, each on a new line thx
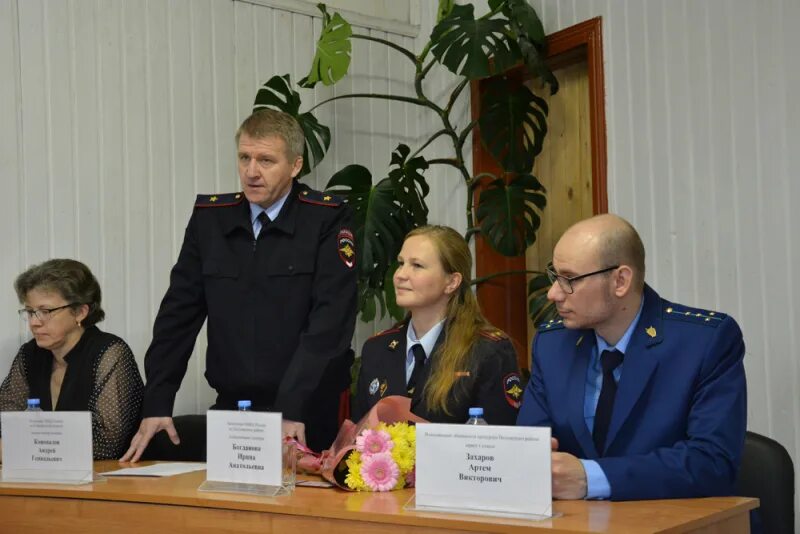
218 199
320 198
692 315
493 335
392 330
552 324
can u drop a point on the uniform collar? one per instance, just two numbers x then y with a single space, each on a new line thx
428 341
241 215
272 212
622 344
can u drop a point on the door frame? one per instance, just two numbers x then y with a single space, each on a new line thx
503 299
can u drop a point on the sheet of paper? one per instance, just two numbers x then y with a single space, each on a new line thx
492 468
244 447
47 446
157 470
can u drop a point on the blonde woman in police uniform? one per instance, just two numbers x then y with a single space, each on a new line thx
445 355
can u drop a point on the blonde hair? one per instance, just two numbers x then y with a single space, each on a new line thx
464 321
273 123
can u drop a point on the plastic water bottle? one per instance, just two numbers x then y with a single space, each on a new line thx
476 417
244 405
33 406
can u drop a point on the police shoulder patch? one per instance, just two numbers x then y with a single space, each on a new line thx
552 324
346 245
692 315
216 200
319 198
512 388
391 330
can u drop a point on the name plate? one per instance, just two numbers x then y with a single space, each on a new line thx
47 447
467 468
244 447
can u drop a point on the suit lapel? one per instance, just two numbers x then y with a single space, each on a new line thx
576 390
639 364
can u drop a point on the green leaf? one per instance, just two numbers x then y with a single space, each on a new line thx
277 93
444 9
465 45
410 187
525 20
513 124
536 65
332 59
540 309
366 301
507 215
531 38
380 223
395 311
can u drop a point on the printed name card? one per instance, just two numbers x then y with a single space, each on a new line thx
47 447
244 447
503 469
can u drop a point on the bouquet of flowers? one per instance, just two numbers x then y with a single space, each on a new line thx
383 459
376 454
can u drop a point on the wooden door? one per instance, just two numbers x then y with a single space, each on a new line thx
572 166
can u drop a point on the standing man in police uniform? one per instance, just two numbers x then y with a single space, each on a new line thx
273 271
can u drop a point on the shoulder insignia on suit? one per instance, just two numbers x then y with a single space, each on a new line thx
218 199
493 335
693 315
552 324
319 198
512 387
391 330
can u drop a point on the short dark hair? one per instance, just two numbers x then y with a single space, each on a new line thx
71 279
268 122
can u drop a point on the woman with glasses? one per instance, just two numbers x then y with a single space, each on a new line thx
445 355
70 364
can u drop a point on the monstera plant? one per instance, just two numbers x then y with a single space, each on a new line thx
513 125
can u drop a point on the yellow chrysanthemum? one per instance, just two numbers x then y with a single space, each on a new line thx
353 479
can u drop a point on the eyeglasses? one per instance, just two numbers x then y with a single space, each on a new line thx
43 314
565 282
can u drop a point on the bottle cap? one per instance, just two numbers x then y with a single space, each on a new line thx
33 402
476 412
244 404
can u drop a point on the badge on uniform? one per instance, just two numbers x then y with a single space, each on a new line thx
512 386
347 247
373 386
384 386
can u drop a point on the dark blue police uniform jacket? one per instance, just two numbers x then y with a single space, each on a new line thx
678 424
280 307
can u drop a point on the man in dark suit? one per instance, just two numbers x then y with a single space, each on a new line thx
646 399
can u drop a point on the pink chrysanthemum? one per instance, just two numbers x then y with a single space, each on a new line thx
380 472
374 442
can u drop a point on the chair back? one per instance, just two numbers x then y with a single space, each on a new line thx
767 473
192 448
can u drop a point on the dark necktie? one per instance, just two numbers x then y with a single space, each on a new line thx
419 365
264 219
609 360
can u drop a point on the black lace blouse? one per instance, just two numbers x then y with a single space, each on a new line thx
101 377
